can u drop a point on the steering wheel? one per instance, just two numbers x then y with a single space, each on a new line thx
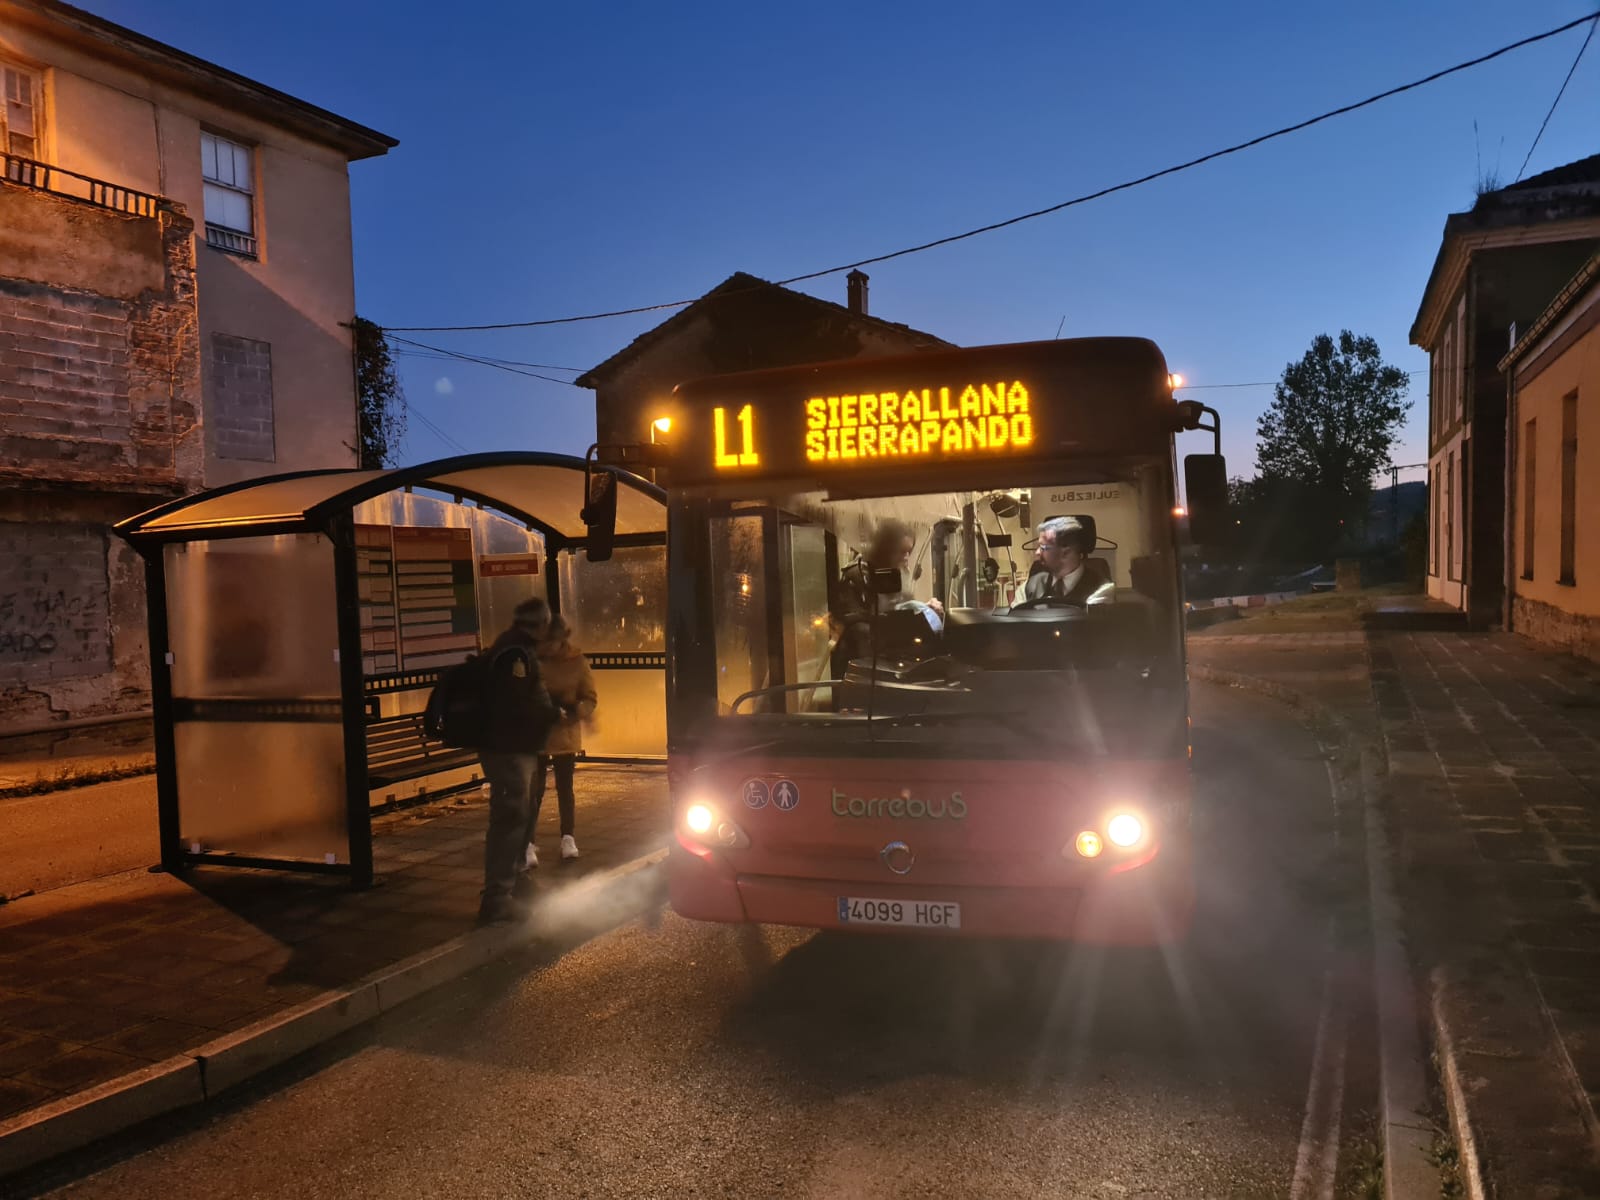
1043 601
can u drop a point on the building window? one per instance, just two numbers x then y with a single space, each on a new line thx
1447 375
1530 447
20 126
1569 487
1458 364
1450 518
1434 423
1433 549
230 194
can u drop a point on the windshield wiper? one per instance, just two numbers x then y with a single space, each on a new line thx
1009 720
778 689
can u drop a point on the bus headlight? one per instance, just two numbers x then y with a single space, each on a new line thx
1088 844
705 825
1125 830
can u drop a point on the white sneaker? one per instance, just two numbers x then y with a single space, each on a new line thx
569 847
530 858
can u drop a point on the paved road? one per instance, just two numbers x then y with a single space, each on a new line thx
689 1060
75 834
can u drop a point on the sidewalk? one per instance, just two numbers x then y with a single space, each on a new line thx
31 763
101 979
1492 796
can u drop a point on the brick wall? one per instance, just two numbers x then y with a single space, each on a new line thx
53 594
241 408
99 386
100 418
1573 632
64 394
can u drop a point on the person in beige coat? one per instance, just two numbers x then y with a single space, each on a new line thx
571 685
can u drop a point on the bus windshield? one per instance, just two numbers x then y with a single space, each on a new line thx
1040 609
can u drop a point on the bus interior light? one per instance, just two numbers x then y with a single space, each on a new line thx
1125 830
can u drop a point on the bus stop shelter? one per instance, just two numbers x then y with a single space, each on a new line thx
282 610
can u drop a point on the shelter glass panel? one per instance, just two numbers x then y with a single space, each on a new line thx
253 627
275 789
253 618
630 719
617 606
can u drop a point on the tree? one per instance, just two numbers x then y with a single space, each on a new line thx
1333 418
380 400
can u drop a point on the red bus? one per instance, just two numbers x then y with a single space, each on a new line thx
892 701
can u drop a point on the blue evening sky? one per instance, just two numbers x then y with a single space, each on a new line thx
575 157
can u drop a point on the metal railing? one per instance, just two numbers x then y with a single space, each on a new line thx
230 240
61 182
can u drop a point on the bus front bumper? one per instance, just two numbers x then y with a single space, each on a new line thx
1151 905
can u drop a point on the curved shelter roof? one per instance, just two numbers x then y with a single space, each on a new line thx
544 491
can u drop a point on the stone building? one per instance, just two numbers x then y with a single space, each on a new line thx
1553 497
1498 266
742 324
175 286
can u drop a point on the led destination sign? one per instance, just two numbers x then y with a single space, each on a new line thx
942 422
917 423
961 406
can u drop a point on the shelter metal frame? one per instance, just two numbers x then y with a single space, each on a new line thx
330 514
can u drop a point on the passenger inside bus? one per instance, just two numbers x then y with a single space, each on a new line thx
1070 575
855 600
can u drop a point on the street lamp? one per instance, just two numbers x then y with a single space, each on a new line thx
661 425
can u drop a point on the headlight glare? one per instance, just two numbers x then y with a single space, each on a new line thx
1125 830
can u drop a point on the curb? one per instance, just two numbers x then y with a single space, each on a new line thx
1254 600
203 1074
1409 1171
1455 1096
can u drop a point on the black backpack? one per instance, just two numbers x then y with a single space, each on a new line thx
458 707
469 703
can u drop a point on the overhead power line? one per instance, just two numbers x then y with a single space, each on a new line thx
501 364
441 352
1195 387
1562 91
414 411
1342 110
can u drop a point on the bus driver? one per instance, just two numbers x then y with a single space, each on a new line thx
1069 574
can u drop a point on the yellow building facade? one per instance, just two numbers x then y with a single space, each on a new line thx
1553 501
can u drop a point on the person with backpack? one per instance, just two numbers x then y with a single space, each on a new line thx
571 685
518 716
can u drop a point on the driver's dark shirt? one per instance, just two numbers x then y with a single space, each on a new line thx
1043 585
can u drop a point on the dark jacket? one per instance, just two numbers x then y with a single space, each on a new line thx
520 711
1094 586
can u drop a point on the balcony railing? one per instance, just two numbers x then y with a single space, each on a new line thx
230 240
46 178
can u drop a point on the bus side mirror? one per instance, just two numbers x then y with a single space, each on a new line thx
885 581
1205 483
599 513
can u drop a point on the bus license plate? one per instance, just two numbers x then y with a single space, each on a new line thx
914 914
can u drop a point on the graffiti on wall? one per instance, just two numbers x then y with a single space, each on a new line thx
53 605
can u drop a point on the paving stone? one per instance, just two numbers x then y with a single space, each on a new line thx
20 1051
15 1096
157 1039
81 1067
137 979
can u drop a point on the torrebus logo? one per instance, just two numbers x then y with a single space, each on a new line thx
899 807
